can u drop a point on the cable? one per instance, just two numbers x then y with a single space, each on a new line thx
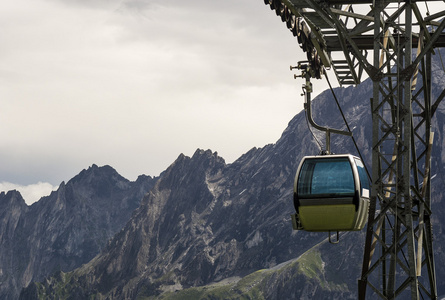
347 126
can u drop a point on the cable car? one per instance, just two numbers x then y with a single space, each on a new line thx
331 193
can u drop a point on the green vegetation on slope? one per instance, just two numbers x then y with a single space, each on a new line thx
308 267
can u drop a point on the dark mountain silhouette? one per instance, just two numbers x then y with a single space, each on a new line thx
65 229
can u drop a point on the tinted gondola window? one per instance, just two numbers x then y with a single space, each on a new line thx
333 177
364 182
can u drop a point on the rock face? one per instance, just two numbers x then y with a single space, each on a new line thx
65 229
13 210
205 221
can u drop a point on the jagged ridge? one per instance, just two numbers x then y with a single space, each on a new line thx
65 229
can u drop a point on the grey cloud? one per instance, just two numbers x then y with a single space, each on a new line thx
133 84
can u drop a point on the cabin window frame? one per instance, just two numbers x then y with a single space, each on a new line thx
306 177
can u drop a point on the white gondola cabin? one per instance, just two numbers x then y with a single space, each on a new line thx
331 193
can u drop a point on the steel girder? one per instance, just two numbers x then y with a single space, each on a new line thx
399 225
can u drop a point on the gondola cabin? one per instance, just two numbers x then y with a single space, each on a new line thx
331 193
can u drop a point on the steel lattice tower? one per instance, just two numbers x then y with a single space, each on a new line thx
379 38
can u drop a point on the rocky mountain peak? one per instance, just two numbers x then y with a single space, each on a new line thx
12 194
95 173
200 160
12 208
102 182
11 199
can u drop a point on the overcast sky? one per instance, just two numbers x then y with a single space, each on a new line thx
134 83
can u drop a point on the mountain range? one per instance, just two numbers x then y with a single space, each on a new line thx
203 228
65 229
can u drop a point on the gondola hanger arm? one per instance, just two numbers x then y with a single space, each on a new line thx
305 73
